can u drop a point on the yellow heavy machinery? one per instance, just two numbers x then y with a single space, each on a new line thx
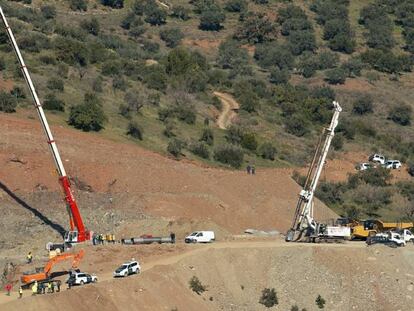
367 228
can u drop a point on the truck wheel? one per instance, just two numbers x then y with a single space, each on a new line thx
82 282
95 280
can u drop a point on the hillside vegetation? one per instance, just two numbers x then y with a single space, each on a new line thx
145 71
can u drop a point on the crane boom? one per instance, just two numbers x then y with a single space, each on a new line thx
303 221
75 219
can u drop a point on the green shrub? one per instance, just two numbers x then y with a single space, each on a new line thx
207 136
269 298
273 54
48 11
301 41
353 67
18 92
234 134
116 4
229 154
211 18
236 5
320 302
155 77
335 76
8 102
91 26
2 64
180 12
53 103
410 169
171 36
79 5
363 105
278 76
338 142
55 84
72 52
200 149
249 141
119 83
135 130
256 28
401 114
174 147
267 151
156 16
196 286
88 116
297 125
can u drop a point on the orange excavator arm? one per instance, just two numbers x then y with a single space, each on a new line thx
28 278
77 257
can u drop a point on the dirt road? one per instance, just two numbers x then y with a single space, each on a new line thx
193 250
228 112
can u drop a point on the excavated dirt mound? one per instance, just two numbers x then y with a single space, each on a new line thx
348 276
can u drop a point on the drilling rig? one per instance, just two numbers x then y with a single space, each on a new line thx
304 226
78 232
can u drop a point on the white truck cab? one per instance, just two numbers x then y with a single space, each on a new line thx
200 237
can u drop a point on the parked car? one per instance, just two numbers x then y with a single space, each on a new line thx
393 164
377 158
81 278
364 166
200 237
128 268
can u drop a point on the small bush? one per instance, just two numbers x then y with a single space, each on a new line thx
401 114
297 125
171 36
320 302
79 5
88 116
180 12
278 76
56 84
207 136
2 64
229 154
200 149
116 4
269 298
335 76
211 18
236 5
156 16
135 130
91 26
8 102
53 103
338 142
18 92
174 147
267 151
249 141
48 11
363 105
196 286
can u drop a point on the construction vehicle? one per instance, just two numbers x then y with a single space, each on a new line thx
304 226
368 228
78 232
43 274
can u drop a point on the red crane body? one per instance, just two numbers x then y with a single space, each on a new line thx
77 232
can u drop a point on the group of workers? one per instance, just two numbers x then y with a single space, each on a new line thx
100 239
40 288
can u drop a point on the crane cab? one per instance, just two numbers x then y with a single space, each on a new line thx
71 237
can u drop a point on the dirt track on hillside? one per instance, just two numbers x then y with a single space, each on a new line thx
228 113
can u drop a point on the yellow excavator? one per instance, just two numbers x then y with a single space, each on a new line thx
361 230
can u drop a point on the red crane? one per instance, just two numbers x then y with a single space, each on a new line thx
78 232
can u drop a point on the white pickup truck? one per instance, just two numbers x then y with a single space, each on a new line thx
400 238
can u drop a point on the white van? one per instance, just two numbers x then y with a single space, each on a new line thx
200 237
